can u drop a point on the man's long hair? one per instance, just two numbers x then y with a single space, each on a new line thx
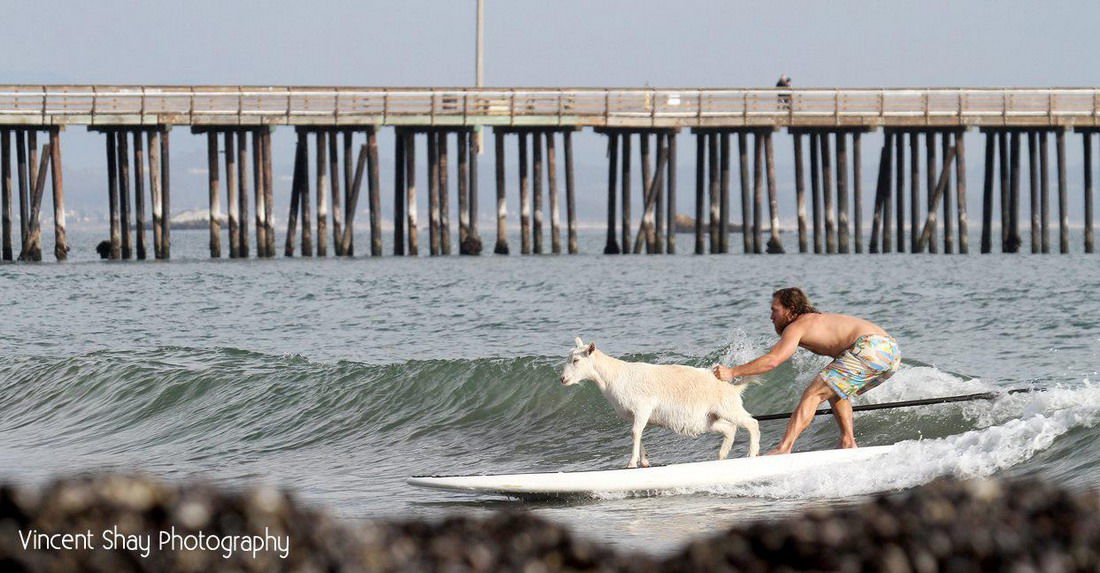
796 301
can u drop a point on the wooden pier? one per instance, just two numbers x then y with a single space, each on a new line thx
336 156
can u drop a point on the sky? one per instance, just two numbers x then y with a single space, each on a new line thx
554 44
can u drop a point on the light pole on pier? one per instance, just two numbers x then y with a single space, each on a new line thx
480 42
480 64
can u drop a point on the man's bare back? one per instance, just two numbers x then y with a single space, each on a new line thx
840 336
831 334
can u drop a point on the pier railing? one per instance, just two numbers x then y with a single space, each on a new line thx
778 107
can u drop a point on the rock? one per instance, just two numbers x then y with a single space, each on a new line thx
945 525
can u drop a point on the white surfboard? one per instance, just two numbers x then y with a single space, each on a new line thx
696 475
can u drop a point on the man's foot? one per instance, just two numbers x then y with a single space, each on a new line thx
778 452
847 445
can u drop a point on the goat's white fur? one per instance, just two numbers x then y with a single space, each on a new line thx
686 400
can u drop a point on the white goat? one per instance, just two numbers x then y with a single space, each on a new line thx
686 400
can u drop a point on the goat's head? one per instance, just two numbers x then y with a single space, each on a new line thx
578 366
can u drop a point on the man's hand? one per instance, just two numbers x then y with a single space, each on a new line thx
723 373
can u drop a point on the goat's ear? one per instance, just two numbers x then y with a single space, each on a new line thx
578 342
591 348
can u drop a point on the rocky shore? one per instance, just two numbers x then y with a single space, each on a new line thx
945 525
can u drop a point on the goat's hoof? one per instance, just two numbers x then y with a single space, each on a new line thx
645 463
631 466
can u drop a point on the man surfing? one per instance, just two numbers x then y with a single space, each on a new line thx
864 357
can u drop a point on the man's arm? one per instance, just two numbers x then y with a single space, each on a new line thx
779 354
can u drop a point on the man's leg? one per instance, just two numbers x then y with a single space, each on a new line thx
842 411
816 393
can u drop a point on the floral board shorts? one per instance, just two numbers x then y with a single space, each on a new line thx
871 360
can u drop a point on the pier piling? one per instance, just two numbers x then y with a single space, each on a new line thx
1044 191
265 141
624 228
775 244
214 193
899 207
1088 192
156 189
552 185
644 224
536 189
948 222
24 188
758 193
1013 242
746 191
6 193
165 192
876 205
399 193
1063 202
815 189
463 194
32 249
474 149
433 194
524 197
700 187
724 192
352 202
930 181
123 155
714 186
800 193
1033 176
501 245
242 195
304 208
1005 168
444 193
300 151
61 241
842 192
336 190
321 145
410 193
857 190
232 189
670 183
827 195
960 191
375 186
113 194
258 194
611 245
987 207
657 216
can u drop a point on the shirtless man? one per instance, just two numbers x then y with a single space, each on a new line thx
865 356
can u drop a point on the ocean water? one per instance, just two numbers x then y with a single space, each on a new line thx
338 379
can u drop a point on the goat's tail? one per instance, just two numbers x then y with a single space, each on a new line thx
744 381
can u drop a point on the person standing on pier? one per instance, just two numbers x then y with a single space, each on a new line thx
864 357
784 97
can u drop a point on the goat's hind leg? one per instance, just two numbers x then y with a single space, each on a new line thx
753 427
641 418
729 431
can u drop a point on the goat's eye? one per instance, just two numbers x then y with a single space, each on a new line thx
575 360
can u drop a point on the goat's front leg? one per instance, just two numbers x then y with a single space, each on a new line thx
641 418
